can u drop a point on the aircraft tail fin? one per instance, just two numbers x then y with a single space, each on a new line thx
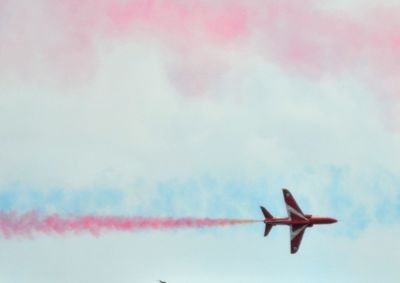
267 229
266 213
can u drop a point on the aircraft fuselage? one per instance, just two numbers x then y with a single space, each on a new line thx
311 220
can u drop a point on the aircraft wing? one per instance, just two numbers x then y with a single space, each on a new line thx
293 210
296 234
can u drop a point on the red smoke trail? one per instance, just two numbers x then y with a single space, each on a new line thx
12 224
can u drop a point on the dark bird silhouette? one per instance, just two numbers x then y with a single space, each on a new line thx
162 281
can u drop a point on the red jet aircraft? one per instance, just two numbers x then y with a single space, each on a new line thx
297 220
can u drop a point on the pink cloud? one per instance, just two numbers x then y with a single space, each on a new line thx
189 18
61 34
300 37
306 40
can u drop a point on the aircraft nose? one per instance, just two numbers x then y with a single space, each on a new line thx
333 220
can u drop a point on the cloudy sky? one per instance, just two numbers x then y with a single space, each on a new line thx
184 108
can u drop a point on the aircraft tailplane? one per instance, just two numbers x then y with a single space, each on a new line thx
267 229
266 213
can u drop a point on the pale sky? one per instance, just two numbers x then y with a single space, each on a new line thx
201 109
